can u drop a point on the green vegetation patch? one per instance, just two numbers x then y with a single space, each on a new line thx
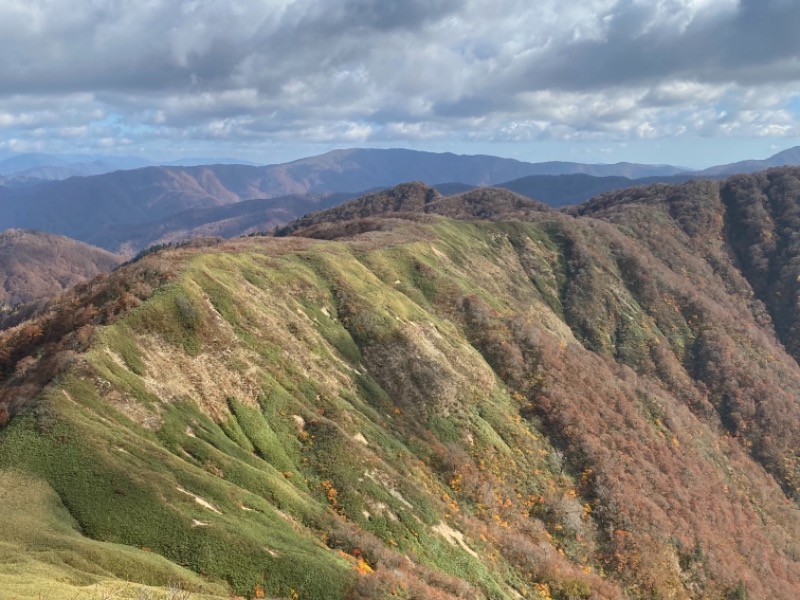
145 498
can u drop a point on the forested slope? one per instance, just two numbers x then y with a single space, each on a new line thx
468 397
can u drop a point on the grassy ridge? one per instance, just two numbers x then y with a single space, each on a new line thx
466 410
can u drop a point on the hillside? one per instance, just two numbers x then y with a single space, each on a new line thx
228 221
357 216
760 218
563 190
36 266
440 397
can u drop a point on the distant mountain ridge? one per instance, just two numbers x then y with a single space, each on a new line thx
392 166
60 166
80 207
49 167
563 190
115 210
785 158
54 166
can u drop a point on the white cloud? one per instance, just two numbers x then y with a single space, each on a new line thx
352 71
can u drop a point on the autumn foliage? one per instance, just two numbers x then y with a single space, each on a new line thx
466 396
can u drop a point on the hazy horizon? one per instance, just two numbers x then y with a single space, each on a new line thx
735 154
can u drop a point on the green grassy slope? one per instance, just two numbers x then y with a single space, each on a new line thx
435 409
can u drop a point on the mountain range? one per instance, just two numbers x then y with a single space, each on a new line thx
411 395
42 167
788 157
126 210
114 209
129 210
85 207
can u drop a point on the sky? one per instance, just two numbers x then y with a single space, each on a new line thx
687 82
